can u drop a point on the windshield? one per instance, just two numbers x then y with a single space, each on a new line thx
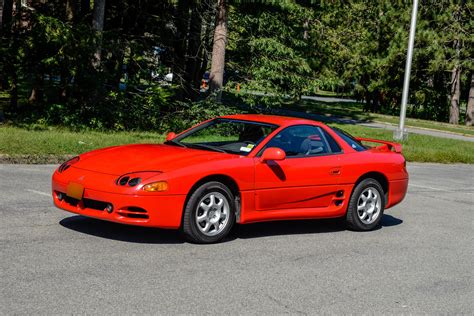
348 138
225 135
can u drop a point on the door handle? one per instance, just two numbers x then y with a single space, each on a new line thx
335 171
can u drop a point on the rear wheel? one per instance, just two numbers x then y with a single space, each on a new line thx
366 206
209 213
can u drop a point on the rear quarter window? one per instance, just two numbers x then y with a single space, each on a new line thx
349 139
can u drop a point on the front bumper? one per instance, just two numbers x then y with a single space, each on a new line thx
164 211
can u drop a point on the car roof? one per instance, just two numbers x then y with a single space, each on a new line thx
271 119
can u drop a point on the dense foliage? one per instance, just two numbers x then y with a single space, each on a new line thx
64 63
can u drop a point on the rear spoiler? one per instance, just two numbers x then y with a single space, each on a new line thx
390 145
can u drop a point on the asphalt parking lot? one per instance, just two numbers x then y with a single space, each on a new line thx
419 261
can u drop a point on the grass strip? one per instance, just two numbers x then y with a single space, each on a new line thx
19 145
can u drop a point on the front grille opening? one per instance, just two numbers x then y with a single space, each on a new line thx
86 203
95 204
71 201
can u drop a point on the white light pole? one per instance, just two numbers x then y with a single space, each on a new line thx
401 133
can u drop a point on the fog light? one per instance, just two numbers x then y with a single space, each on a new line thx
60 196
156 186
109 208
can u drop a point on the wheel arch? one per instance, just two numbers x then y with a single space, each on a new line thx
380 177
222 178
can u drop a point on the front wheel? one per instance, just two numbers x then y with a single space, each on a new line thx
366 206
209 213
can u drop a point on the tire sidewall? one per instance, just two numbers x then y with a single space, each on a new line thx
352 216
190 228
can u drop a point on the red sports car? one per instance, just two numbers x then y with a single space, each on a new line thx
236 169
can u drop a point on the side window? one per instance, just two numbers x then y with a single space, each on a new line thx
335 148
304 140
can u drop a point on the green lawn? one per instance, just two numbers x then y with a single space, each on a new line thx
421 148
54 145
458 129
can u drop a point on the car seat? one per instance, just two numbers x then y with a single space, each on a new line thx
312 145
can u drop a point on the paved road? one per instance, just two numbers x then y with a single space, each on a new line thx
420 261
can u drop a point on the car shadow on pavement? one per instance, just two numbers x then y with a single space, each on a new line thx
115 231
299 227
389 220
146 235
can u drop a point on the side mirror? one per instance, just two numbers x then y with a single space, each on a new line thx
273 153
170 136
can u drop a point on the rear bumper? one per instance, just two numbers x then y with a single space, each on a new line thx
164 211
397 191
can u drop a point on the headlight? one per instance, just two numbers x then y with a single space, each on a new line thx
156 186
67 164
124 180
132 179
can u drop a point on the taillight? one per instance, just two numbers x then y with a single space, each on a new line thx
67 164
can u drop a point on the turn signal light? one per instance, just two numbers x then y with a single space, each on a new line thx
156 186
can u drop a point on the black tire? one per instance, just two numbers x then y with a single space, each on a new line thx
190 228
353 216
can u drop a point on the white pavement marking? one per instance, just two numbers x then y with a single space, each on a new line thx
465 191
427 187
39 192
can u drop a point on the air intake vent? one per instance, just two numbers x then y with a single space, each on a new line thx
133 212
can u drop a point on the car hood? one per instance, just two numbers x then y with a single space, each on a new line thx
144 157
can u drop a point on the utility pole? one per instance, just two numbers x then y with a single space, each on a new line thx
401 133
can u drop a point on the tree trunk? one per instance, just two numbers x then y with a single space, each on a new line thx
14 92
470 104
306 30
98 25
83 11
1 13
216 76
71 8
180 45
455 95
193 54
98 15
7 13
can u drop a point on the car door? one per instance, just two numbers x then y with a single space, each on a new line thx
307 179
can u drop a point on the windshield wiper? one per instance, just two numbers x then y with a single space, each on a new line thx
175 143
208 147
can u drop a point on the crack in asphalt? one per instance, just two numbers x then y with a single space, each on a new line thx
285 306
